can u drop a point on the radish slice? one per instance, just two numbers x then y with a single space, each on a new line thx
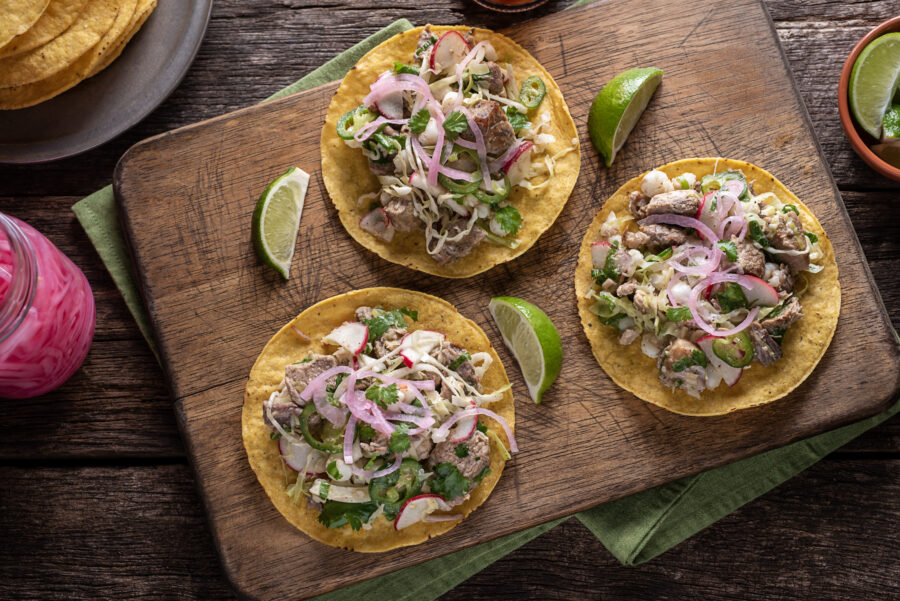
706 214
296 454
464 428
730 375
391 105
415 510
377 223
418 343
599 252
448 51
351 336
515 167
760 293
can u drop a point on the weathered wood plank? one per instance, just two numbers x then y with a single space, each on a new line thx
140 533
250 53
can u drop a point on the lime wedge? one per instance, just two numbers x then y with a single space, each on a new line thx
873 81
533 340
891 124
617 108
277 218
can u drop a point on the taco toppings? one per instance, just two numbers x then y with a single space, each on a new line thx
449 134
704 275
388 424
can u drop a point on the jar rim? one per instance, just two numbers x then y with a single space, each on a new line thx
14 306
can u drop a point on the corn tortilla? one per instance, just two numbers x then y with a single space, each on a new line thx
804 343
18 17
88 29
347 176
97 59
287 347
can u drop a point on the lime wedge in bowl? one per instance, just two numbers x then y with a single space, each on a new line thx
873 82
617 108
276 219
533 340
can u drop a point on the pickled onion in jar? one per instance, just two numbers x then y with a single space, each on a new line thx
47 312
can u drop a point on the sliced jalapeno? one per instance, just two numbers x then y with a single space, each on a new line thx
350 123
396 488
461 187
717 182
735 350
331 444
532 92
495 195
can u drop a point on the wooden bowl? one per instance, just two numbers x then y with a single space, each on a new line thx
859 139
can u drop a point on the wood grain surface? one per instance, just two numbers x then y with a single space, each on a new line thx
214 306
97 502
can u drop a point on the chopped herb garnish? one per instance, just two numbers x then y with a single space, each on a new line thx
509 219
306 359
383 395
481 427
516 119
678 314
812 237
385 320
609 271
729 248
428 44
455 124
695 358
756 233
365 431
329 390
482 475
401 68
462 451
463 357
274 435
419 121
336 514
448 482
399 439
731 297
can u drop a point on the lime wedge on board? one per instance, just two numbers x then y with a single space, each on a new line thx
276 219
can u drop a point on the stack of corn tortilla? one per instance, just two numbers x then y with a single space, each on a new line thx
48 46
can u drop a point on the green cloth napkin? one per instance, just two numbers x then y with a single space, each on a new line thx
634 529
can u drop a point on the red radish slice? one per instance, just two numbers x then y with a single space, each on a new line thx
417 508
410 357
352 336
516 165
296 454
377 223
464 428
391 105
760 293
599 251
706 214
730 375
448 51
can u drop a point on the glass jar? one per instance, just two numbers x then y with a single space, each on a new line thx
46 312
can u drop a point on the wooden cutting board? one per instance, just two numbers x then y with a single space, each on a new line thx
186 199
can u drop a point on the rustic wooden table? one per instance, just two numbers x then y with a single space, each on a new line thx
96 497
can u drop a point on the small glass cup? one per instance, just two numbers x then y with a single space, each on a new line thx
47 312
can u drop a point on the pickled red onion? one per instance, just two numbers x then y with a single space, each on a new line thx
715 279
317 384
388 470
349 435
480 148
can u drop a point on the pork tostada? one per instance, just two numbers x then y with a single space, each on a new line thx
366 419
449 150
706 286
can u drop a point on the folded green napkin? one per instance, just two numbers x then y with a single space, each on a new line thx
634 529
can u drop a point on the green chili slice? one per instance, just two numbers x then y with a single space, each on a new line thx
352 121
461 187
495 196
329 446
532 92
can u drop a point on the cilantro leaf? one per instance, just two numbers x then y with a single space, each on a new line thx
383 395
448 482
516 119
463 357
399 441
756 233
729 248
411 313
482 475
419 121
385 320
609 271
481 427
509 219
731 297
812 237
336 514
462 451
401 68
677 314
365 431
274 435
695 358
455 124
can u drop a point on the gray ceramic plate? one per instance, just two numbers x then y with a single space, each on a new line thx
100 108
